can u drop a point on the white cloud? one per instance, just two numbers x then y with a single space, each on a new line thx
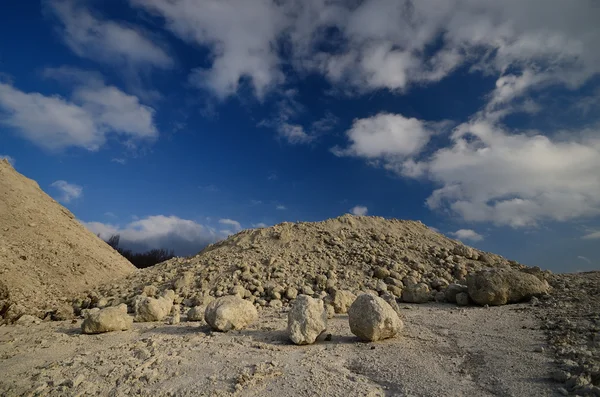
67 191
8 158
118 161
359 210
184 236
230 222
517 179
592 235
390 44
94 111
294 134
386 135
467 234
241 35
281 207
106 41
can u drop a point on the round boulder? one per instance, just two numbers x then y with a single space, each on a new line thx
107 320
416 293
371 318
502 286
307 319
230 312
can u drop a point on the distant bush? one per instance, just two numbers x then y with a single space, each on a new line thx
141 260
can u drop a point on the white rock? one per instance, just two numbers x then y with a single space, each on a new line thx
230 312
307 319
107 320
340 300
501 286
416 293
371 318
196 313
151 309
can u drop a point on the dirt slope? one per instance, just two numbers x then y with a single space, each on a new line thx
46 255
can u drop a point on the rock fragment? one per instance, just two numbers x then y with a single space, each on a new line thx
107 320
501 286
230 313
416 293
307 319
372 319
154 309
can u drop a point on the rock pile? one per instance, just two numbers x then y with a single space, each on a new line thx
336 259
46 255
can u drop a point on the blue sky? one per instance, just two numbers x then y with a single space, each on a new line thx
176 123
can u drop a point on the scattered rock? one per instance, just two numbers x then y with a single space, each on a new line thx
152 309
340 300
27 319
416 293
501 286
307 319
452 290
230 313
196 313
107 320
371 318
462 299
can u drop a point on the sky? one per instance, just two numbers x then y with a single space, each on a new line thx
176 123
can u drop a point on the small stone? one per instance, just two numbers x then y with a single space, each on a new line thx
452 290
340 300
462 299
151 309
560 375
196 313
416 293
291 293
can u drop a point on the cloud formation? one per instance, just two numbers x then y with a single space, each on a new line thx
385 44
92 113
8 158
184 236
359 210
467 235
67 191
92 37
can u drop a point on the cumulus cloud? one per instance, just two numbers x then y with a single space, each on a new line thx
467 235
389 44
592 235
94 111
518 179
8 158
386 136
67 191
281 207
184 236
242 36
359 210
235 225
112 42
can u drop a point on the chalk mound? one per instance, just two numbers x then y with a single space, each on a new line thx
46 255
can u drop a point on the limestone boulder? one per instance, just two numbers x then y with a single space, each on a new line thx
230 313
307 319
371 318
108 319
499 286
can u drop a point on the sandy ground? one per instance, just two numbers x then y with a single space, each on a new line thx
443 351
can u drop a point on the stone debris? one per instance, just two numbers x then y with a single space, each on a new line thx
154 309
230 313
107 320
372 319
340 300
307 319
497 286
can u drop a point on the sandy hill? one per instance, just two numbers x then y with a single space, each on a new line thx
356 253
46 255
